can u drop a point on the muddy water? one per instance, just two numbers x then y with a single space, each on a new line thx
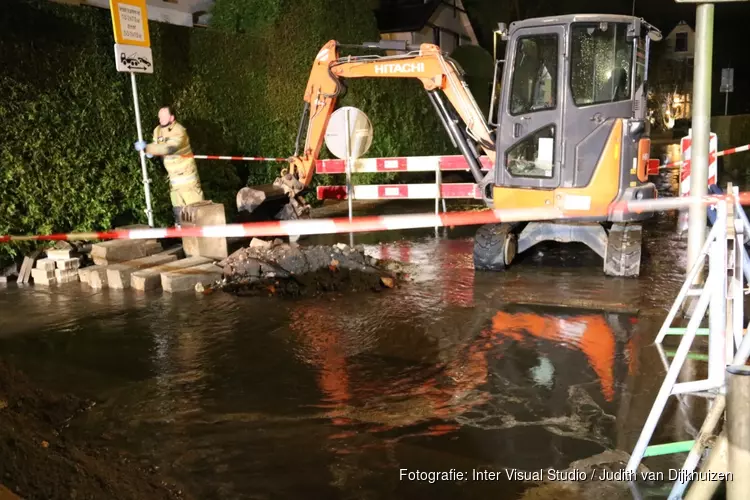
332 397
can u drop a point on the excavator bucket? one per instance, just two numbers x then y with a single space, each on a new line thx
277 201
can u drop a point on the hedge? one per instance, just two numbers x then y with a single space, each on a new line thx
66 116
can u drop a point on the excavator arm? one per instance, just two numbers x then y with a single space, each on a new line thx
427 64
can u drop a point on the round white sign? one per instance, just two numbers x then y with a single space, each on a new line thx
348 124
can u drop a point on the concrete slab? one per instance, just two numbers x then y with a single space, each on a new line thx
57 254
185 279
150 279
28 264
43 277
121 251
68 264
85 273
118 275
46 264
66 275
204 213
98 278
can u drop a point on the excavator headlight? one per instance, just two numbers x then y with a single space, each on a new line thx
655 35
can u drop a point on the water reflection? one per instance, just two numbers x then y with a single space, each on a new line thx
329 398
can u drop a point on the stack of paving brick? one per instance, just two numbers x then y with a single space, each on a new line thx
59 267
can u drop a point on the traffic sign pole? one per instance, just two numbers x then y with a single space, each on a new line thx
701 127
727 86
348 137
133 55
144 170
726 103
349 189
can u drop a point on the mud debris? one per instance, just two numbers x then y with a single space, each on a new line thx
39 460
280 269
611 461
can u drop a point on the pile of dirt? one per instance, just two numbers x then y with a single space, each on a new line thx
280 269
38 460
593 487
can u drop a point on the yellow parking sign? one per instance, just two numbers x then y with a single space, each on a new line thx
130 22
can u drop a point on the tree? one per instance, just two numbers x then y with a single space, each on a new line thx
668 79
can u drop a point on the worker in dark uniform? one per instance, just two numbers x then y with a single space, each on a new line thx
171 141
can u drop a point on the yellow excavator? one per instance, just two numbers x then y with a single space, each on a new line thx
568 130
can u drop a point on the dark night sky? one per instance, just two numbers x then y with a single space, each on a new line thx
730 30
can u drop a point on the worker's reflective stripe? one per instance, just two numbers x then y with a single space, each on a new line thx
176 163
184 179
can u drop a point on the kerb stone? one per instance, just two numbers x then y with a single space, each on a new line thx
150 279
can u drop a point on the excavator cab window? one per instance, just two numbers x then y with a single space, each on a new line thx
601 63
534 86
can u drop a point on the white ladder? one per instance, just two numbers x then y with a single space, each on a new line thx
722 297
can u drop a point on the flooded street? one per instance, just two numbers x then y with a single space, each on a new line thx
331 397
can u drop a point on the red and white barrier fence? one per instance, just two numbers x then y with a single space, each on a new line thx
399 164
381 223
402 191
424 191
726 152
686 147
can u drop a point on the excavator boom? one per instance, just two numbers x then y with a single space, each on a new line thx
464 123
426 64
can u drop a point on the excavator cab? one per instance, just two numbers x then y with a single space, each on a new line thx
572 134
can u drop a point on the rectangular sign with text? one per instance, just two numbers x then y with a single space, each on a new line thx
727 80
130 22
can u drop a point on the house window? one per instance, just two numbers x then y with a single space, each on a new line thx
681 42
448 41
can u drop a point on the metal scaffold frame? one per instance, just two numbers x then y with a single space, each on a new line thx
722 298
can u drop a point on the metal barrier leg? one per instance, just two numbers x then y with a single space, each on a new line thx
708 427
738 431
718 359
437 195
671 377
717 462
745 236
697 267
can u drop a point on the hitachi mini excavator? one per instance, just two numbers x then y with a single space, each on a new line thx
570 131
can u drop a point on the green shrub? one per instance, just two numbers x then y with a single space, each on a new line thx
479 68
66 116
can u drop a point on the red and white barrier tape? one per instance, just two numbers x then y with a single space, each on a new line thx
726 152
228 158
405 164
380 223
